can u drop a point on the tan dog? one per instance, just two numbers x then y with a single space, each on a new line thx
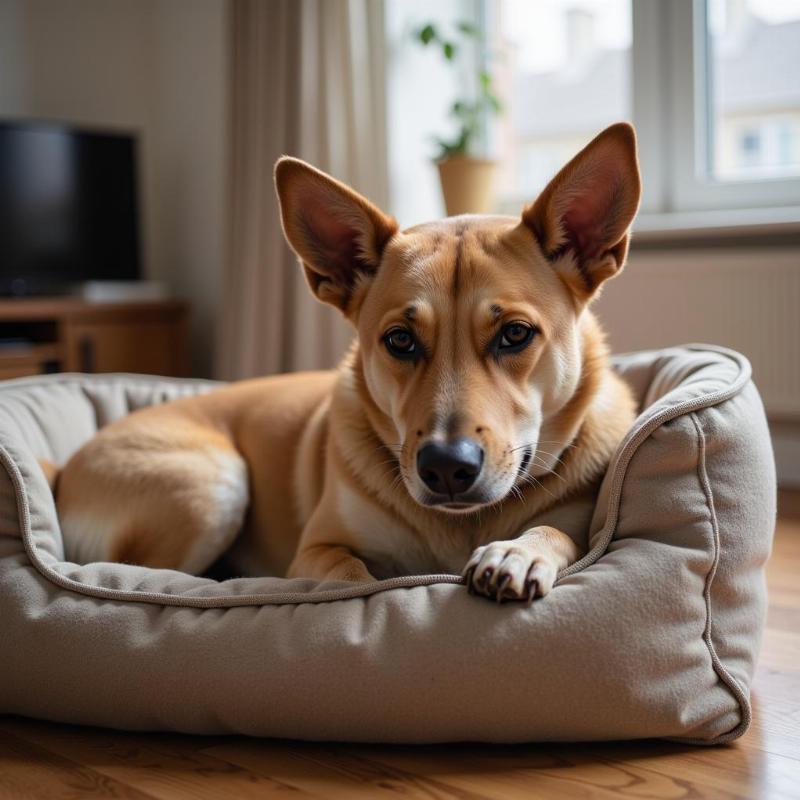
466 430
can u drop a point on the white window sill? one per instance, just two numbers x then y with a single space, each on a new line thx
749 223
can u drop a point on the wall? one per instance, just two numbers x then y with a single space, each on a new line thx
155 67
743 297
10 54
190 156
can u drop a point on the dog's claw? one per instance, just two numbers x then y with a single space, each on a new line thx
502 586
531 589
486 578
468 575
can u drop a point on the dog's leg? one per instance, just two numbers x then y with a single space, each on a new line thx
328 562
154 490
523 568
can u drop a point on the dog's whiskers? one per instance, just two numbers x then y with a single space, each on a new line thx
537 484
550 471
551 455
522 447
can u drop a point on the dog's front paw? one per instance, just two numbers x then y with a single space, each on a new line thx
512 570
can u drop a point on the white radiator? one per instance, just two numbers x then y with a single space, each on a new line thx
748 300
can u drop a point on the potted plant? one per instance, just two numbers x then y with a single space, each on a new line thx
467 180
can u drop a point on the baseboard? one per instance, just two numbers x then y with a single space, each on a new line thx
789 505
786 444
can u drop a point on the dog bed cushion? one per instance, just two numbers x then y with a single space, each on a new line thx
654 633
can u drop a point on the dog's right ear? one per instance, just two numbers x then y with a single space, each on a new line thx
338 235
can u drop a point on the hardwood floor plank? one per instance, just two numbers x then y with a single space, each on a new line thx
29 771
781 651
774 731
314 769
643 769
163 766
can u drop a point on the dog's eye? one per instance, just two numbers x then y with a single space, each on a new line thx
400 343
515 336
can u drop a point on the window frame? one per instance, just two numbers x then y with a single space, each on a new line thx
670 109
691 127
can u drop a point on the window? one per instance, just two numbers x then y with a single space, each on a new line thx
710 115
713 87
789 144
563 69
754 78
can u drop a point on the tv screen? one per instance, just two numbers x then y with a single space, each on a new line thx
68 207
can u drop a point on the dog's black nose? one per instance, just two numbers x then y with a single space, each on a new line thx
450 467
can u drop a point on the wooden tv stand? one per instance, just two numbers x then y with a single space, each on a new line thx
72 335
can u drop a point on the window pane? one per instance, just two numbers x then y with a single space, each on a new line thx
563 71
754 66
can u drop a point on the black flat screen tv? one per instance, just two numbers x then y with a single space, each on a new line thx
68 207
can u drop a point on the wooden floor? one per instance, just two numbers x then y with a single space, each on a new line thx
41 760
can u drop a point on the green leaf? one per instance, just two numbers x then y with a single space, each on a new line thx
427 34
495 104
485 80
448 148
469 29
449 50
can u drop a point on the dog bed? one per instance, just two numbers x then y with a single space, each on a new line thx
654 633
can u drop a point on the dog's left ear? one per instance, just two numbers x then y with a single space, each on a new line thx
583 216
338 234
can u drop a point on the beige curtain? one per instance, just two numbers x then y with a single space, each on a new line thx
307 80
